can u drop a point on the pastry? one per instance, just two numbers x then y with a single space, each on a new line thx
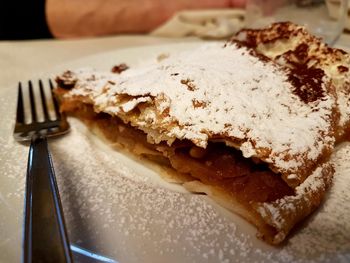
252 130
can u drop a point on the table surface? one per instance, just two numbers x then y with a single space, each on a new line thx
21 60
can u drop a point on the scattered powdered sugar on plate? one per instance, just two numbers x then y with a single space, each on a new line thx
113 208
13 156
133 209
325 236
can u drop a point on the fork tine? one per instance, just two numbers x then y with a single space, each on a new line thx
32 101
20 109
55 103
43 101
44 125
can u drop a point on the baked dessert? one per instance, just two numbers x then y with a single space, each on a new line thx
252 130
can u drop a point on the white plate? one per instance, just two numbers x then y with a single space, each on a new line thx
116 207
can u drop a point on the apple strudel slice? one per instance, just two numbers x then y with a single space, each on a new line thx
227 120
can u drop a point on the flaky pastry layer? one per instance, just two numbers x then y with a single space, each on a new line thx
230 93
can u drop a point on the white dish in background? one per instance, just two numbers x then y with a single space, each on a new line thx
116 207
333 9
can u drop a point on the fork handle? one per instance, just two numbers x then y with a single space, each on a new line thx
45 235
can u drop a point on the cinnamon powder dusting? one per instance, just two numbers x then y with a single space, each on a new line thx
253 37
189 83
198 103
119 68
307 83
342 69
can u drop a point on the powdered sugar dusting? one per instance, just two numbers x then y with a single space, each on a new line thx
210 92
110 194
327 233
309 194
293 45
122 209
113 209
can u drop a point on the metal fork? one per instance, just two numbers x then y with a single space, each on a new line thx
45 237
